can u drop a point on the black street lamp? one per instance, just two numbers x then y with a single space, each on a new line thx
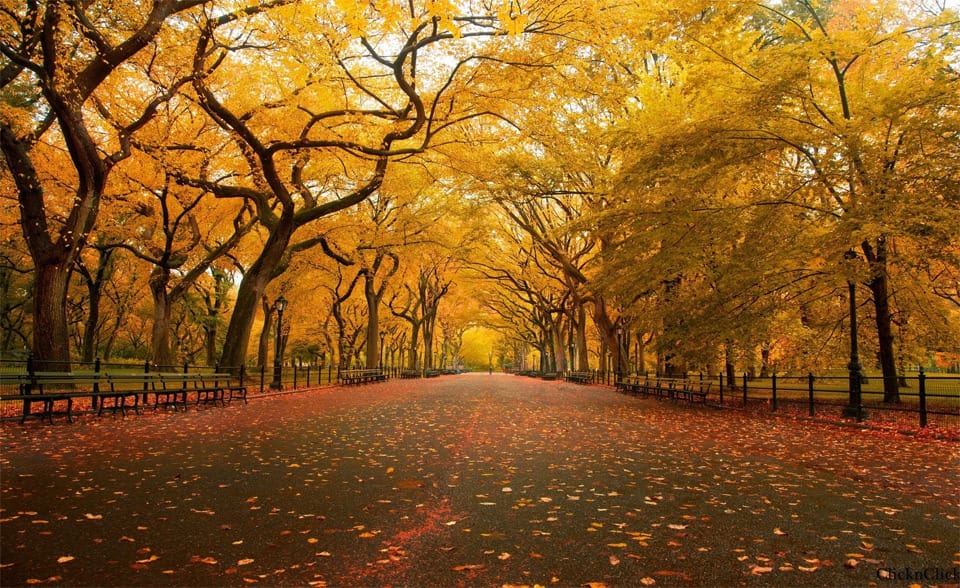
855 406
619 356
277 383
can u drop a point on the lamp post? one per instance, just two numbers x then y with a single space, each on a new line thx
855 406
277 383
619 356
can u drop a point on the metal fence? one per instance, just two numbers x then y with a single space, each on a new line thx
258 380
926 401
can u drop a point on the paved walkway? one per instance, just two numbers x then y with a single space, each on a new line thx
472 480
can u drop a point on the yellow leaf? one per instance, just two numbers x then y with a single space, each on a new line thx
244 562
65 559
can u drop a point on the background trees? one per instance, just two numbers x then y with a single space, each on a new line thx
668 185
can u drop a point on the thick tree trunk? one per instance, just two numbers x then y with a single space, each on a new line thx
51 341
373 321
251 289
879 287
556 344
608 334
263 346
91 327
160 340
427 345
583 353
728 365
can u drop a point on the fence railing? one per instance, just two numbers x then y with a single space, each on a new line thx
924 400
258 380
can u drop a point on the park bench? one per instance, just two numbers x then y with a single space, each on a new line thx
361 376
694 390
630 385
549 376
431 373
409 374
579 377
171 389
231 389
49 388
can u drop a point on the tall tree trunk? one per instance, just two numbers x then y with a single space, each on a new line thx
728 365
879 286
251 290
373 321
160 340
608 334
427 345
263 347
583 353
51 340
94 282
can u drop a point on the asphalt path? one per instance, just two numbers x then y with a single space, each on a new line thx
473 480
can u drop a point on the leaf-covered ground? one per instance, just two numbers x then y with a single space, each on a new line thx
472 480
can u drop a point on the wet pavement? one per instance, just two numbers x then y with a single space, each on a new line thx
473 480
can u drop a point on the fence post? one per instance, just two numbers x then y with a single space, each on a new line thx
308 375
744 389
721 388
263 370
922 377
773 390
810 391
294 375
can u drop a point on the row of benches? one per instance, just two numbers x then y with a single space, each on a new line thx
579 377
361 376
672 388
168 390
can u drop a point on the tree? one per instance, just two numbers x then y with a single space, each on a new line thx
57 56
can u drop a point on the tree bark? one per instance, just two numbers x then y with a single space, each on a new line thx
263 346
160 340
51 343
373 321
251 290
879 287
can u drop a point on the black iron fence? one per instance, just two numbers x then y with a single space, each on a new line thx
258 380
924 401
